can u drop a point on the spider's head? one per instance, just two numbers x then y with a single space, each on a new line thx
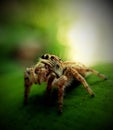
54 63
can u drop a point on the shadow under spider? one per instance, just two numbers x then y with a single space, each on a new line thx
39 102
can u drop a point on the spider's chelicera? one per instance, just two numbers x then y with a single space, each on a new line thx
55 72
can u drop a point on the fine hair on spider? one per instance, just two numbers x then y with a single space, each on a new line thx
55 72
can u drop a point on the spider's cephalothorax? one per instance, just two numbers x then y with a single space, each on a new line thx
56 72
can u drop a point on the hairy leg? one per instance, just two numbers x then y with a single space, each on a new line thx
49 88
60 83
60 98
82 80
97 73
29 79
27 86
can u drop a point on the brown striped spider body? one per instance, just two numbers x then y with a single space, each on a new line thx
56 72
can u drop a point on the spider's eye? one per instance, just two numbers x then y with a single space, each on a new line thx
52 57
44 56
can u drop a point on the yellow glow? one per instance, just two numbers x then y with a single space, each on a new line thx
81 42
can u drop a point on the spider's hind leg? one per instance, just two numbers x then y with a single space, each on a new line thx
97 73
80 78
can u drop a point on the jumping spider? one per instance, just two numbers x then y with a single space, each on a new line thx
55 72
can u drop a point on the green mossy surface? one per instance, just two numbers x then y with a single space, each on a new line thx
80 111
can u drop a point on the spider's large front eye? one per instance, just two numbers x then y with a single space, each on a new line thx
44 56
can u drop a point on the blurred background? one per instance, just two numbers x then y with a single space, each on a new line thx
72 29
75 30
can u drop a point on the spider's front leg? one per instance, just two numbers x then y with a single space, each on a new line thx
82 80
28 81
60 83
49 87
27 85
26 91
